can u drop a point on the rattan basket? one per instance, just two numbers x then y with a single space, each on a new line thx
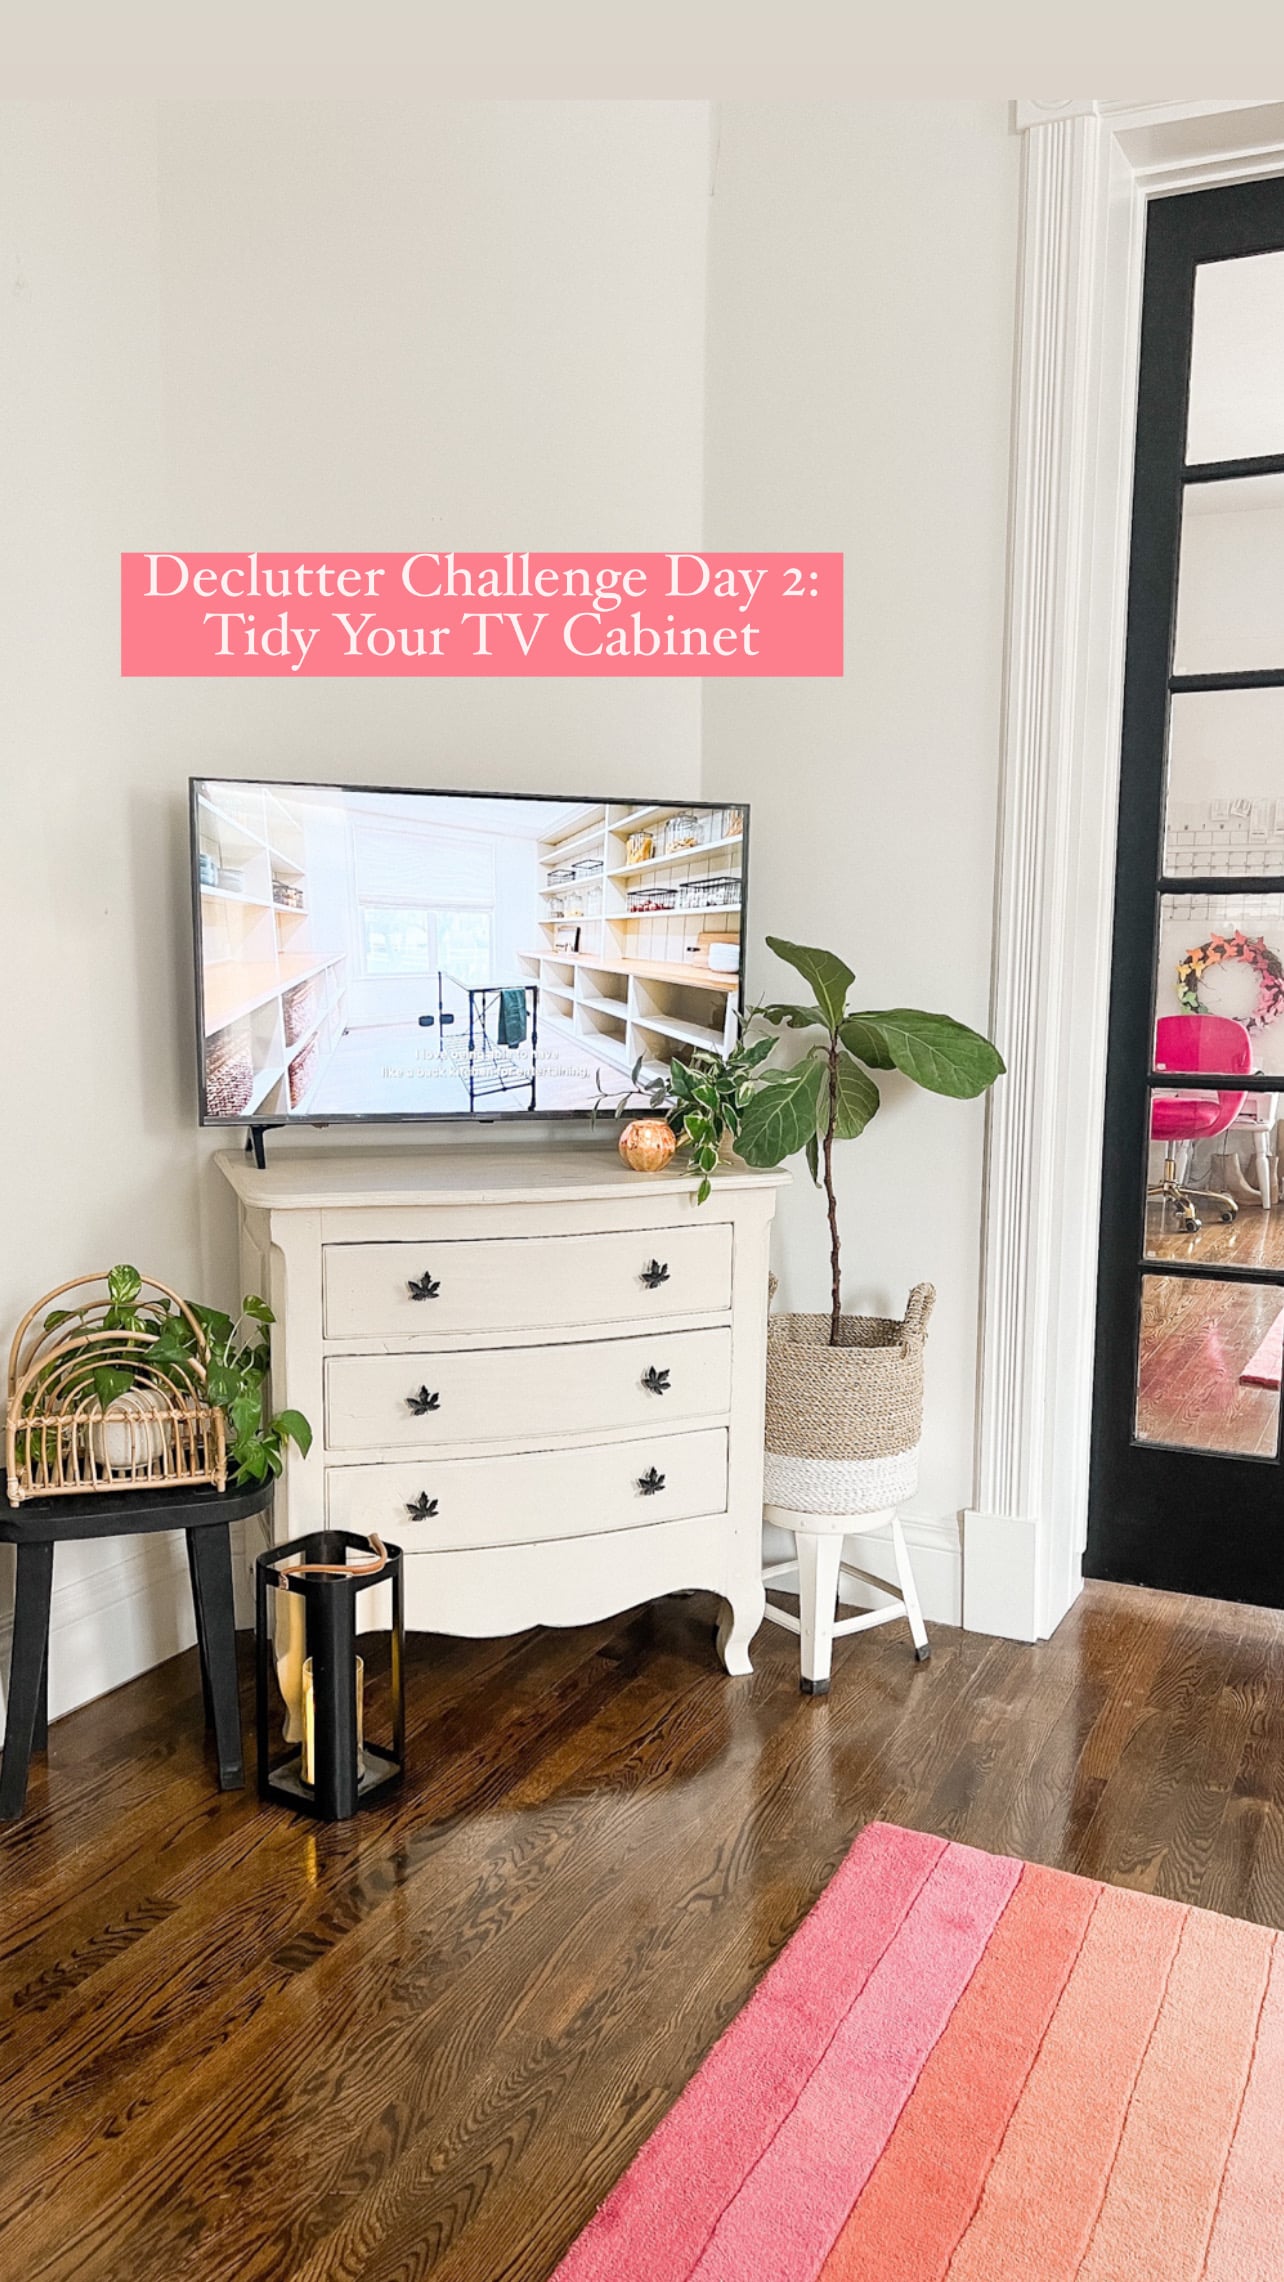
60 1439
843 1423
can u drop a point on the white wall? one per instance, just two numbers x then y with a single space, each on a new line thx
484 324
861 317
289 325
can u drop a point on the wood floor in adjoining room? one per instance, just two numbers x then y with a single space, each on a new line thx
1198 1337
239 2047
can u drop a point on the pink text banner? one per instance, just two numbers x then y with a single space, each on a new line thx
481 614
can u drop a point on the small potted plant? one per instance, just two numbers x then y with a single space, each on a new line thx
123 1377
700 1100
845 1392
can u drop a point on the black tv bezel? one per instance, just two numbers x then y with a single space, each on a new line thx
248 1119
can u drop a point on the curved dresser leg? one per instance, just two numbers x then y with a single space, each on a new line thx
737 1624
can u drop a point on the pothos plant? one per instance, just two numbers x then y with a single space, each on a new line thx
238 1358
828 1095
703 1098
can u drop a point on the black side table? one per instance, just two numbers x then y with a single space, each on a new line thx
41 1523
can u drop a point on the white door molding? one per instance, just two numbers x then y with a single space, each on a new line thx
1090 167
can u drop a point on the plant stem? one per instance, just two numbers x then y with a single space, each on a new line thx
836 1287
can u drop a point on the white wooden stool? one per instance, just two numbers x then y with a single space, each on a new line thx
817 1574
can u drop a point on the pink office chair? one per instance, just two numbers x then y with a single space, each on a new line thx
1189 1043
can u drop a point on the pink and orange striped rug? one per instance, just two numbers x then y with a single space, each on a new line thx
970 2068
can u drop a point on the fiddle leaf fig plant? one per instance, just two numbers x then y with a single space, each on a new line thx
829 1095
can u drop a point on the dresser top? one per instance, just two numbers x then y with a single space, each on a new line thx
321 1179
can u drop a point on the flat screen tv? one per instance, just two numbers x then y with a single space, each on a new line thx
390 955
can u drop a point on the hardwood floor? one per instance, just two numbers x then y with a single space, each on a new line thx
239 2045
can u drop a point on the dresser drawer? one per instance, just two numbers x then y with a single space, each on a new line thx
522 1283
543 1495
524 1394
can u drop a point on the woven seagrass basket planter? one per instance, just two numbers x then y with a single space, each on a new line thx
843 1423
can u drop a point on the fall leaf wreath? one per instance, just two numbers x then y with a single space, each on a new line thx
1221 950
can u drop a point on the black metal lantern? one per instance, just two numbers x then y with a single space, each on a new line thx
330 1766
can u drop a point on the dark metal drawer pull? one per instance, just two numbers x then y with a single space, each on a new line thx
422 1402
422 1508
423 1287
655 1382
650 1482
655 1274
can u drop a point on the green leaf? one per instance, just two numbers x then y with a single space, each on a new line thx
258 1308
781 1116
813 1159
223 1383
705 1191
123 1284
212 1320
251 1462
862 1037
110 1381
858 1100
786 1015
749 1057
829 978
174 1341
937 1052
294 1426
246 1412
56 1316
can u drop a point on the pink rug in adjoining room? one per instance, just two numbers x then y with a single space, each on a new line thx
969 2069
1264 1368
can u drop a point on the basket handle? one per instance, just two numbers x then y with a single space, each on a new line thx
918 1311
338 1568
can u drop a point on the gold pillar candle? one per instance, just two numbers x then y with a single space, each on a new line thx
307 1766
289 1636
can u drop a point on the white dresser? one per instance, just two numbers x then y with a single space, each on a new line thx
538 1373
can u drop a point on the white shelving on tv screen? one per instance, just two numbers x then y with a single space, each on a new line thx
274 990
631 904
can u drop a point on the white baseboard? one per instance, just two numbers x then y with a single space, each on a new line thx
1001 1593
934 1550
115 1622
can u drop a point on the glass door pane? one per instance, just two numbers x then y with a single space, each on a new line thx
1230 581
1212 1182
1224 810
1208 1375
1237 360
1221 959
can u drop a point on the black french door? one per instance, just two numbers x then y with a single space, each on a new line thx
1187 1483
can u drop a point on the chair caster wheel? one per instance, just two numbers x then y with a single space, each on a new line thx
923 1655
814 1687
1230 1216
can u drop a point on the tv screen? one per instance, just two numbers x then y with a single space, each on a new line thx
385 954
